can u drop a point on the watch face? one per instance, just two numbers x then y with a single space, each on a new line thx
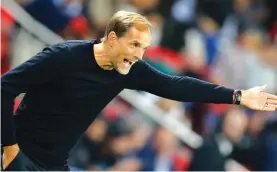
238 97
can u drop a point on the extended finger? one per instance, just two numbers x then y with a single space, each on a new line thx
271 101
267 108
272 105
271 96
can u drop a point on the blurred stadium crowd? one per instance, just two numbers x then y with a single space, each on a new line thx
228 42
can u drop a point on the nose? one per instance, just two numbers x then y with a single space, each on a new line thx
135 59
139 54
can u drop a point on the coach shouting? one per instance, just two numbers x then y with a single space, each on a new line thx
68 84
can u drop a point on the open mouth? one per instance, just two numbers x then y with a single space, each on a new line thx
127 62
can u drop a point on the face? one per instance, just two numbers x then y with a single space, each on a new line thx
235 125
127 50
256 122
121 145
165 141
241 5
97 130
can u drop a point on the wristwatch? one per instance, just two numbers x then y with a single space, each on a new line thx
237 97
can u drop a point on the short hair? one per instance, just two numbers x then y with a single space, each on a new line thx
121 21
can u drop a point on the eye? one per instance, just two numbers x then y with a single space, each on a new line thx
136 44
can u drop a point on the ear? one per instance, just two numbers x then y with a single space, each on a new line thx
112 36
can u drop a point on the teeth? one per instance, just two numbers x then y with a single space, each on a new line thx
126 64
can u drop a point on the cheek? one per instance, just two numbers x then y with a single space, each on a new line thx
133 50
114 52
128 49
124 52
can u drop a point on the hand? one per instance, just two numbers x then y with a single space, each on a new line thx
257 99
9 154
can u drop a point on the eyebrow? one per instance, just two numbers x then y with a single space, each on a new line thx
135 41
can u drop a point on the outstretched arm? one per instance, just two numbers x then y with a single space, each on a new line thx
181 88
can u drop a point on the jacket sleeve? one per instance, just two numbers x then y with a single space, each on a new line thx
180 88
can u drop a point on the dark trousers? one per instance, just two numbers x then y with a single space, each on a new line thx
22 163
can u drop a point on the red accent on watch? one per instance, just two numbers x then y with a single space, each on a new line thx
237 97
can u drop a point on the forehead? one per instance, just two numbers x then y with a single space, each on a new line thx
140 34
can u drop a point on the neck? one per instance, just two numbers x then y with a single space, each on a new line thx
102 57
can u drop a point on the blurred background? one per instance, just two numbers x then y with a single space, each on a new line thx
228 42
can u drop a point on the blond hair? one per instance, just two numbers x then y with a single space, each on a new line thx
121 21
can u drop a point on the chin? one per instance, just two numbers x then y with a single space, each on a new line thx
123 71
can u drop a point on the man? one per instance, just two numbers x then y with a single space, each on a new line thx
217 148
68 84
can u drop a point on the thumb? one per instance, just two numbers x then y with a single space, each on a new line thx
263 87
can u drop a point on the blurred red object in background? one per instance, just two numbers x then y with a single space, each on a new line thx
7 23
